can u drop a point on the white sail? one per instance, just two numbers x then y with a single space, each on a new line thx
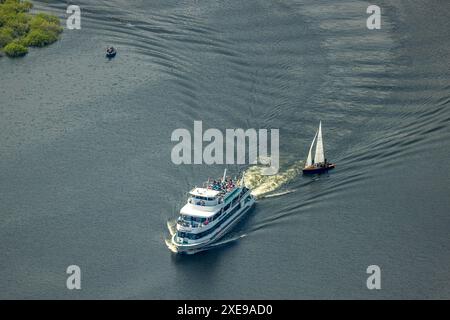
319 157
309 159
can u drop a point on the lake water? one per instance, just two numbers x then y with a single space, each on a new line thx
86 176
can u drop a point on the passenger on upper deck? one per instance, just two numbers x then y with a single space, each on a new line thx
224 186
229 184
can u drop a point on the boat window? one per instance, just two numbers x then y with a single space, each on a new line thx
226 215
235 209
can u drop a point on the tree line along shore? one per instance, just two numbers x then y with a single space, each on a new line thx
19 29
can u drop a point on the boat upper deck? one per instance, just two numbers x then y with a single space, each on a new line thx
204 192
207 208
214 189
207 200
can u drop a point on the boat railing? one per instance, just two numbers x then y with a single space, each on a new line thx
200 202
190 224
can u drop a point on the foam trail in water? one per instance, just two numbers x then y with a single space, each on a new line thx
281 193
262 185
170 245
172 226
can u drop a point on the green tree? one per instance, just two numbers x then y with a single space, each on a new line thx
39 38
15 50
6 36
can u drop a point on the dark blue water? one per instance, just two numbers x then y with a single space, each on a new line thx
86 176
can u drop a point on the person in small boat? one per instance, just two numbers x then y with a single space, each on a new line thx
110 51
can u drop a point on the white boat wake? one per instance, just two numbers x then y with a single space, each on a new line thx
263 186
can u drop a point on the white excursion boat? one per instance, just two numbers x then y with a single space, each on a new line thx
209 213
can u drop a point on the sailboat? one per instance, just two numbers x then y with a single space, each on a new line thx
319 163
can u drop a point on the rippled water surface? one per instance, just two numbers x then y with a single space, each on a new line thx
86 176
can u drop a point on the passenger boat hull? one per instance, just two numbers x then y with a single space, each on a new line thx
213 239
318 170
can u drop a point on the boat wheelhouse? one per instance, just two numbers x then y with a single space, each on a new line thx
209 213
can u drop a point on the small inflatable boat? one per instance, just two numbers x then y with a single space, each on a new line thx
111 52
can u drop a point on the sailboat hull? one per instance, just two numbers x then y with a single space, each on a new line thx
318 170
